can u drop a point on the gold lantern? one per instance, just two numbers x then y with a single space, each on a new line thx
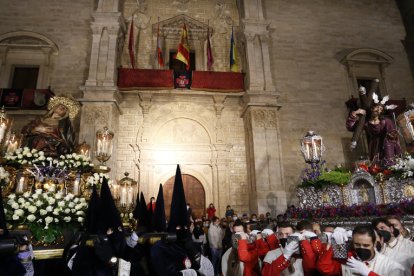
312 147
104 146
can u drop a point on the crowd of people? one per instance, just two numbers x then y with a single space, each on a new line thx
246 245
260 245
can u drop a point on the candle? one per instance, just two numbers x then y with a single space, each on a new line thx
12 146
20 186
130 200
307 151
105 146
99 146
123 200
2 131
76 187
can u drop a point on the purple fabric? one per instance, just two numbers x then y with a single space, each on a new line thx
382 138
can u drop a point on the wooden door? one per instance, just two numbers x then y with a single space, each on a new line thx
194 194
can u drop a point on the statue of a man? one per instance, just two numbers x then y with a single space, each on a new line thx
382 134
53 133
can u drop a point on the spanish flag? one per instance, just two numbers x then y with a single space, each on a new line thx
183 52
233 54
160 59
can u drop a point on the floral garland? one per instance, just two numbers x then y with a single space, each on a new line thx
45 213
33 157
354 211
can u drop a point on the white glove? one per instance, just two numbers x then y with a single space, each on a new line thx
267 232
290 249
308 234
329 235
132 240
254 232
358 267
349 233
299 235
340 235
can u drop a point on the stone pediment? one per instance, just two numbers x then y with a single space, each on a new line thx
171 28
366 55
23 40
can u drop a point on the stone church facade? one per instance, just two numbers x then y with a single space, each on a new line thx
301 59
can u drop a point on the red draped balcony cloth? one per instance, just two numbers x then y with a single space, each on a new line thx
129 79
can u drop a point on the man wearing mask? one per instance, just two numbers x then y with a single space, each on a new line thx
387 233
405 244
362 260
279 261
230 263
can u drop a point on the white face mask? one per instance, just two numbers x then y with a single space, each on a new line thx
235 218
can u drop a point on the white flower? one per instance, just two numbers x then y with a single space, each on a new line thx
71 205
19 156
43 212
67 219
67 210
21 200
29 154
61 163
39 191
39 203
24 162
49 208
39 220
48 220
26 194
32 209
56 220
35 196
12 196
80 219
15 217
31 217
79 206
15 206
56 212
82 199
41 158
58 195
80 213
61 203
19 212
51 201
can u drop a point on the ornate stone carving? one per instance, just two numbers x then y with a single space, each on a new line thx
222 19
97 115
265 118
171 28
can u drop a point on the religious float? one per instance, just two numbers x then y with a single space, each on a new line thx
46 179
380 185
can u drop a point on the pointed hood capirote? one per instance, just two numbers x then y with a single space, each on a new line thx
143 215
110 215
159 220
178 215
92 213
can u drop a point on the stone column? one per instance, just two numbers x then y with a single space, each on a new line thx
265 173
101 98
260 114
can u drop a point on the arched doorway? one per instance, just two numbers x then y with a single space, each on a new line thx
194 194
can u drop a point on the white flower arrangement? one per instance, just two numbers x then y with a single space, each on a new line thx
4 175
31 157
45 213
404 167
97 179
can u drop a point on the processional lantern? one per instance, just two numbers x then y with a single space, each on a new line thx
13 142
312 147
104 145
125 192
84 149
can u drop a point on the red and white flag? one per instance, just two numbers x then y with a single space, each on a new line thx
160 58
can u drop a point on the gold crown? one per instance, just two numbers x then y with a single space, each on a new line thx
72 105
